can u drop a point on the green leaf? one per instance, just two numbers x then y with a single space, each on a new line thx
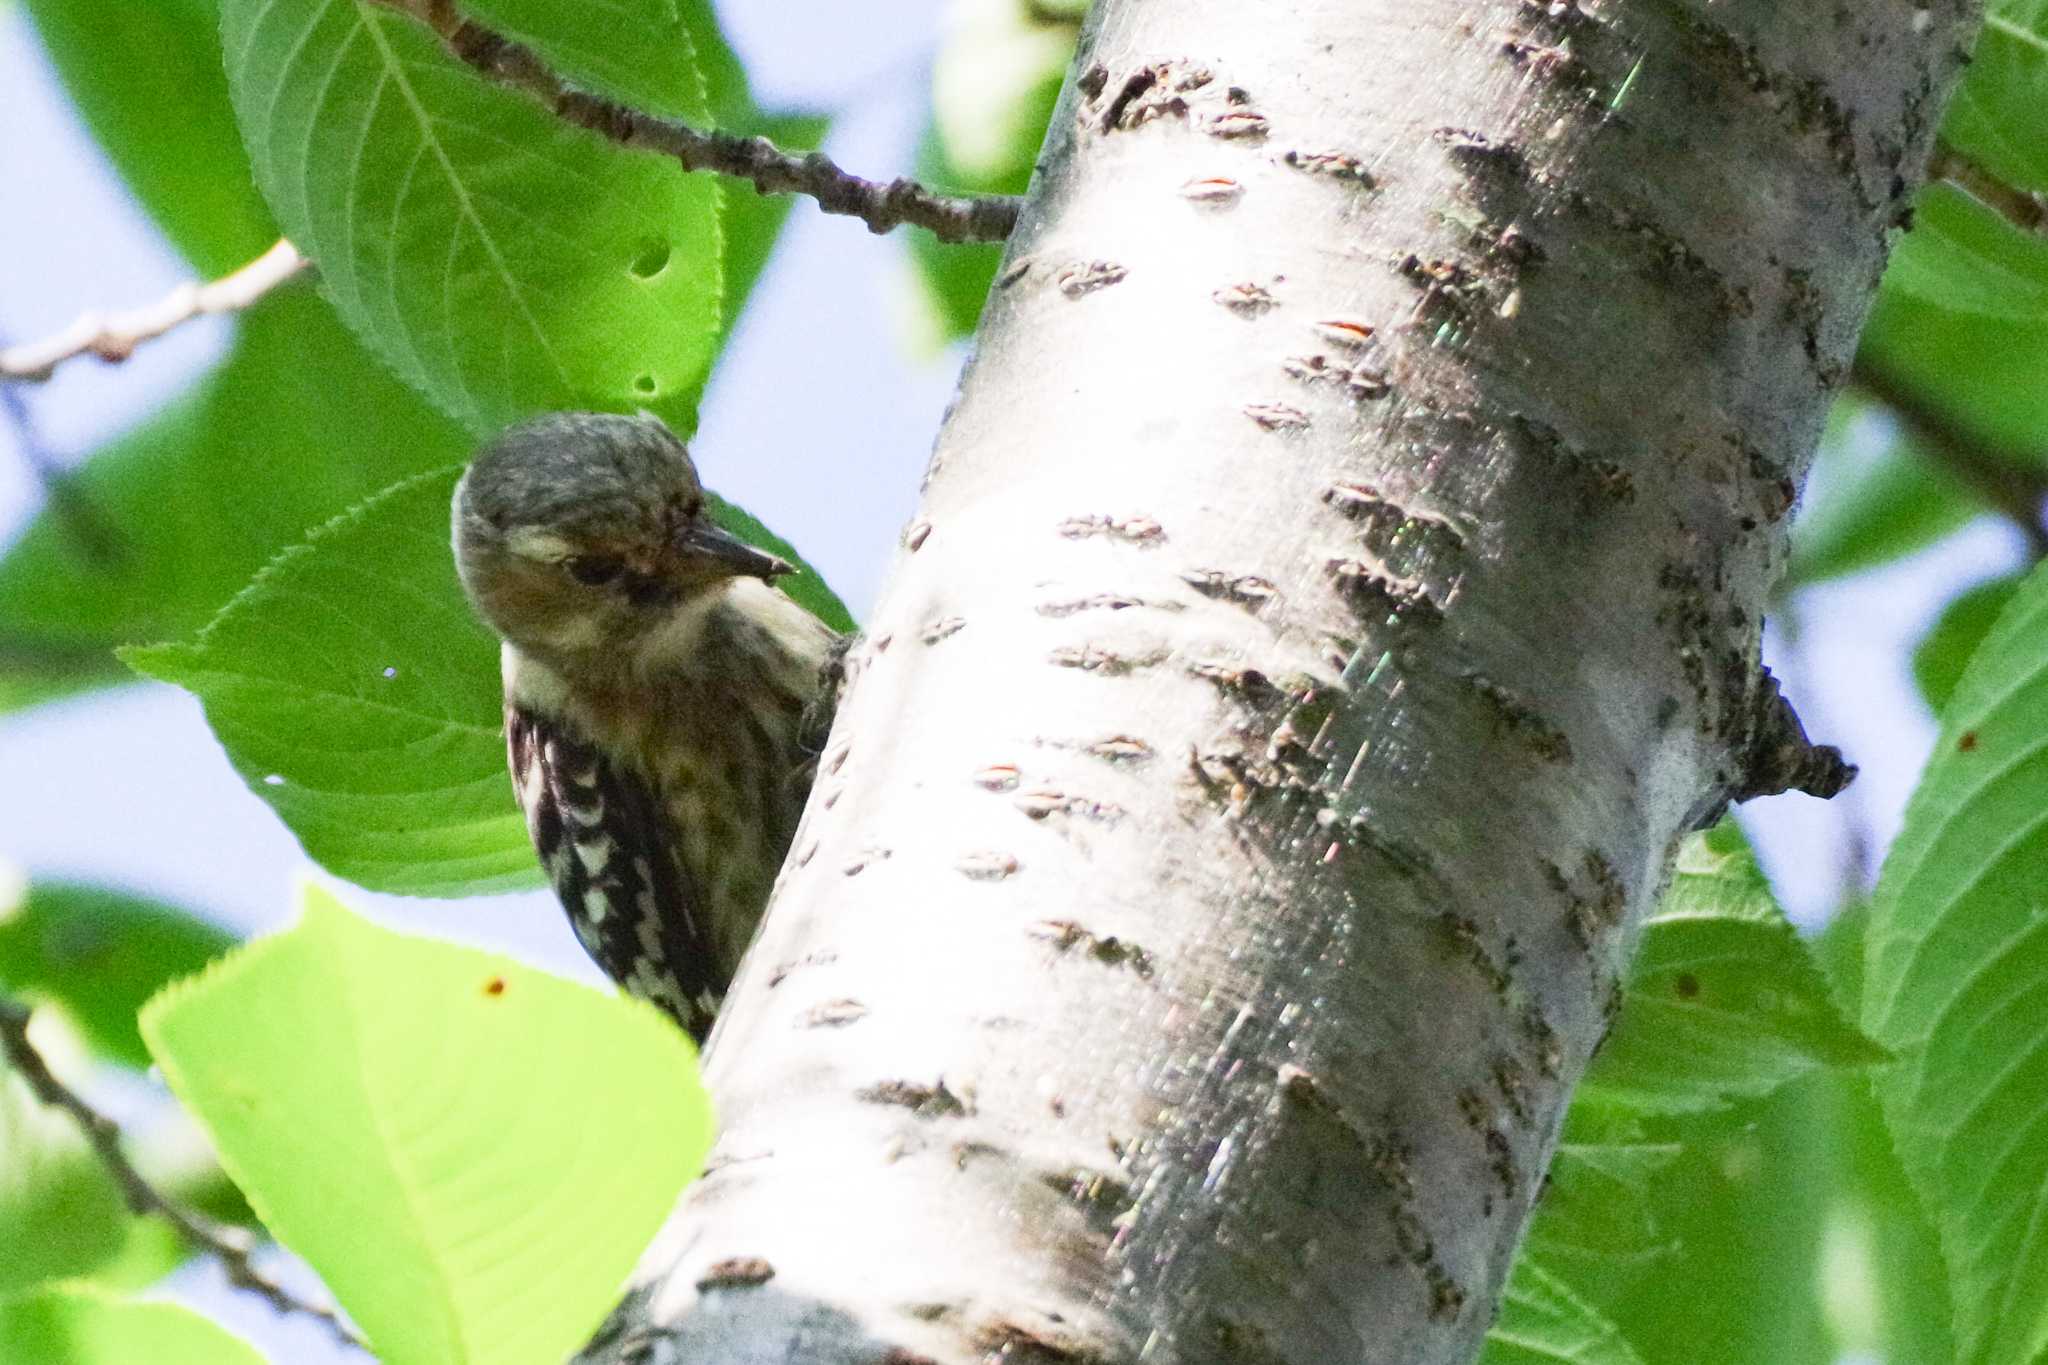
749 222
60 1215
1957 987
298 425
1596 1227
75 1325
804 587
1883 1282
994 83
1921 347
1893 1286
641 53
1940 658
148 79
100 953
1963 255
499 259
1865 511
1724 999
1995 121
1541 1319
1995 118
1744 1203
953 279
357 694
471 1153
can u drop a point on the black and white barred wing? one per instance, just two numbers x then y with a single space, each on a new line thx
602 836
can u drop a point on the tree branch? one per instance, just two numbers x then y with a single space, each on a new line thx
230 1246
1321 633
2024 209
114 337
504 62
2001 478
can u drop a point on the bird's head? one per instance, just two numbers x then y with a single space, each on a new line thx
578 533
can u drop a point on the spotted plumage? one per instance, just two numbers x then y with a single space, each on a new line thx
663 703
601 835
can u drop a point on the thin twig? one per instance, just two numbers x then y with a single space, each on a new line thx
2011 483
950 218
95 535
228 1245
2024 209
114 337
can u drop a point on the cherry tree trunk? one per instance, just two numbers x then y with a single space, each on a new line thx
1336 592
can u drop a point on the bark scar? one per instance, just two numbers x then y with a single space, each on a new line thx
1780 758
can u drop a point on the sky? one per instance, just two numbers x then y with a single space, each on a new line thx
128 787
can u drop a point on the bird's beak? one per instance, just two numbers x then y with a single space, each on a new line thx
712 544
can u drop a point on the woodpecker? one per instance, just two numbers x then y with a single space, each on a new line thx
662 700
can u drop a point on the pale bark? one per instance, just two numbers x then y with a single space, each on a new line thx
1236 822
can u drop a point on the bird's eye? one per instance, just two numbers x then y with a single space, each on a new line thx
593 569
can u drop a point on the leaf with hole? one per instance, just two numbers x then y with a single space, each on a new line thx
501 260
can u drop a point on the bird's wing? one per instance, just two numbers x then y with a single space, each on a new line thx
616 865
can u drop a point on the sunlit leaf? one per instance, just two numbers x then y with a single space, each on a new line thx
76 1325
994 81
470 1152
501 260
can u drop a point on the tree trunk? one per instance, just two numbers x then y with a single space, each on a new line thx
1337 591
